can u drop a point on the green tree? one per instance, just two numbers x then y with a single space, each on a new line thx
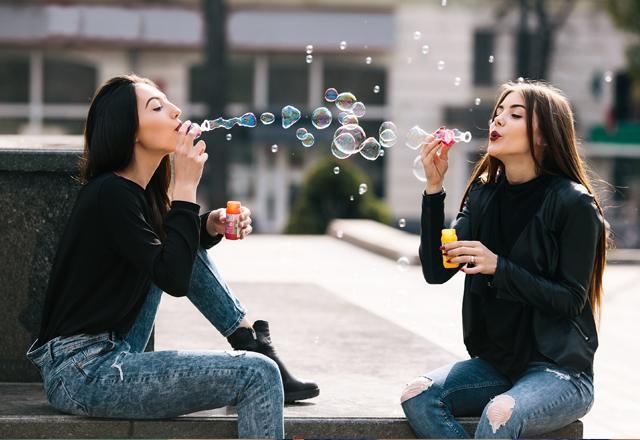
326 196
626 15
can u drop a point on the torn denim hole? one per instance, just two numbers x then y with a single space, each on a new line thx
500 410
558 374
118 366
418 386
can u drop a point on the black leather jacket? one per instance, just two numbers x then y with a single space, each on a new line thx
549 267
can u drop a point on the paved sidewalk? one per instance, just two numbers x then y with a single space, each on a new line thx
361 296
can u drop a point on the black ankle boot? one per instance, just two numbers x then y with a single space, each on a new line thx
244 339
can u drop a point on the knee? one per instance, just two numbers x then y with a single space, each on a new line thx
418 397
415 388
266 371
497 419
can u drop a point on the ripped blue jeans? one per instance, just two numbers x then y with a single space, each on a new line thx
108 376
542 399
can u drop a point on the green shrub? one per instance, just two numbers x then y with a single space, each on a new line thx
325 196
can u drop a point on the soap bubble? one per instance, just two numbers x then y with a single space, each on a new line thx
359 109
345 101
336 170
478 101
321 118
309 49
362 188
402 223
403 262
418 169
444 3
343 45
388 125
440 65
267 118
330 94
247 120
301 133
368 60
337 153
608 76
339 233
274 148
290 115
491 58
381 153
425 49
351 198
308 140
417 35
346 118
309 59
416 137
228 136
456 81
520 80
370 149
346 143
356 132
388 138
376 89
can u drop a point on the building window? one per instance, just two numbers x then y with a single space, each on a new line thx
357 78
67 82
483 47
288 81
239 80
14 79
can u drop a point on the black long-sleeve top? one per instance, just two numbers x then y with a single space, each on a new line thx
109 255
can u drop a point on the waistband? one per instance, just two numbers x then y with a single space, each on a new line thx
64 345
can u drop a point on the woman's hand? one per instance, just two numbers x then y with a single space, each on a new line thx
481 259
217 219
435 160
188 160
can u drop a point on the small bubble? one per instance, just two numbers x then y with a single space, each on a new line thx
301 133
343 45
228 136
345 101
267 118
608 76
274 148
403 264
309 59
456 81
339 233
309 49
351 198
491 58
362 188
376 89
417 35
444 3
330 94
425 49
308 140
381 153
402 223
336 170
359 109
520 80
440 65
478 101
321 118
368 60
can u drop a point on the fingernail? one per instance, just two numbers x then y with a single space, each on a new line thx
448 261
441 247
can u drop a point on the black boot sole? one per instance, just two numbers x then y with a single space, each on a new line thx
301 395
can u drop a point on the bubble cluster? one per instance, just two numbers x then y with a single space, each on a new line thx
376 89
267 118
301 133
246 120
308 140
491 58
345 118
321 118
349 138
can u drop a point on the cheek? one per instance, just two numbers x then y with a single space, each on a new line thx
155 134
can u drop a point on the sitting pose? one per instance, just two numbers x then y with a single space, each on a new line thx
128 239
531 239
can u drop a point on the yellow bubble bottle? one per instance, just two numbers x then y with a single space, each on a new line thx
448 236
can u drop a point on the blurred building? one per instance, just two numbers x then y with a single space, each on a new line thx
54 55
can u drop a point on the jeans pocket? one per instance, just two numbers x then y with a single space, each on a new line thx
91 354
60 398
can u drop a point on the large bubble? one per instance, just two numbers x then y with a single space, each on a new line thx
418 169
416 137
345 101
290 115
359 109
356 132
370 149
388 138
336 152
346 118
248 120
321 118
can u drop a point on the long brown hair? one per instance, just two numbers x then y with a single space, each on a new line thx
556 130
109 139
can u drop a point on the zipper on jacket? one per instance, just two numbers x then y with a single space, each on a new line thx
575 324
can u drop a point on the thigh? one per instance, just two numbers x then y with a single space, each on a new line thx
144 385
545 398
466 386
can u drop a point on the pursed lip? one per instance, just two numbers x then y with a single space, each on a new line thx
495 135
178 126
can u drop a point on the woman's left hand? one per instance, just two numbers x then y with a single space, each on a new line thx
217 219
473 253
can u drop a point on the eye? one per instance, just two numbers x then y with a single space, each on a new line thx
157 109
516 116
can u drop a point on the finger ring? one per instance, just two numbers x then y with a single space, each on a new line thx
473 260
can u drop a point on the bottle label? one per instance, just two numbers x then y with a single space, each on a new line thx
232 226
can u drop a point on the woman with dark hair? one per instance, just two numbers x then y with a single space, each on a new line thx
531 239
131 236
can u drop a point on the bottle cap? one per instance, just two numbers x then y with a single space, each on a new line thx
233 207
449 234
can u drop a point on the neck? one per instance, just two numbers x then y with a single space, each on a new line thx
519 171
141 168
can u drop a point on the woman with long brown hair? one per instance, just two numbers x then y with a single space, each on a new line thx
531 240
134 233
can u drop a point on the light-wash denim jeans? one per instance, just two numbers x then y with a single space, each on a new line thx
544 398
107 376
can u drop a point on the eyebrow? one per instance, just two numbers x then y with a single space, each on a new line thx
513 106
149 100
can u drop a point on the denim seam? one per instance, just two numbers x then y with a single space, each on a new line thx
68 395
552 404
471 386
265 427
192 373
454 426
235 325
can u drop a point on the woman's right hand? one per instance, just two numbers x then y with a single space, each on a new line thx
435 160
188 160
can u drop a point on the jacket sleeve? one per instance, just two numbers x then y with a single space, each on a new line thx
432 222
567 293
207 241
169 264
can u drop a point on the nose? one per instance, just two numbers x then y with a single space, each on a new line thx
499 121
176 112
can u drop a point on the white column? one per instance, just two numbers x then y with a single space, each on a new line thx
36 93
316 79
261 83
